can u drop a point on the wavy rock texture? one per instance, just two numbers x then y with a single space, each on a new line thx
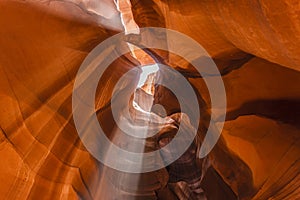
255 46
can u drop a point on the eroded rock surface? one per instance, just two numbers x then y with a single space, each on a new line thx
255 46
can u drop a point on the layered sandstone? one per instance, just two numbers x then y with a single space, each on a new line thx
255 46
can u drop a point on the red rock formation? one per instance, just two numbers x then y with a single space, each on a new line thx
255 46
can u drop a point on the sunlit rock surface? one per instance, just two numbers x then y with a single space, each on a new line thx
255 44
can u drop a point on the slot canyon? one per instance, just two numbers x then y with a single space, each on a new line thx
255 48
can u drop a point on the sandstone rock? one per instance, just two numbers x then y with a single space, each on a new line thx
255 46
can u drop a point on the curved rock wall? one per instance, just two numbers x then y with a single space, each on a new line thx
255 45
